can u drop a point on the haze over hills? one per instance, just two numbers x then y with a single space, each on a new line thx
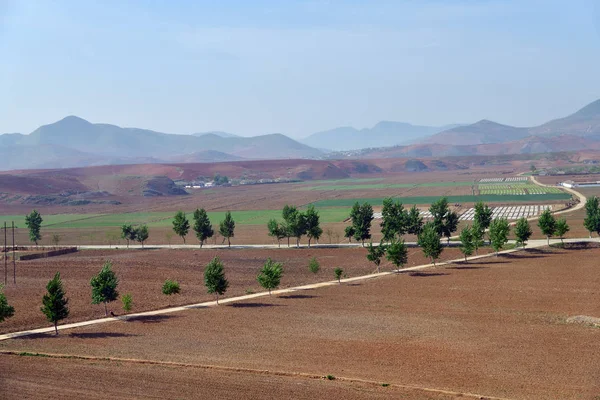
383 134
73 142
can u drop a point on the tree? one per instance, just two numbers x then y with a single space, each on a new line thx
522 231
313 265
227 228
429 241
561 228
289 214
141 234
54 302
171 287
338 274
592 215
311 224
33 221
104 286
276 230
499 229
181 225
547 224
532 168
202 226
349 233
483 215
477 233
56 239
375 253
466 242
270 275
214 278
362 216
414 221
127 300
397 253
6 310
394 219
128 233
444 220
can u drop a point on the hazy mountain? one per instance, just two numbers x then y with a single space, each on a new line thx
73 141
384 133
481 132
218 133
585 122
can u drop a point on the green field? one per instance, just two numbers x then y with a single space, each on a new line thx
163 219
533 198
387 186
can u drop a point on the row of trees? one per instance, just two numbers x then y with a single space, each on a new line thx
296 224
203 227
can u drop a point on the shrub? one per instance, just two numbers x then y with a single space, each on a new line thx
171 287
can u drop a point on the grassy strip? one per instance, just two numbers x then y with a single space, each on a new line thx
388 186
531 198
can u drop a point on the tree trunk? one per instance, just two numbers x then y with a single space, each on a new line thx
269 291
127 243
201 243
105 310
288 238
548 239
217 298
465 258
228 241
183 237
56 327
309 242
278 244
298 243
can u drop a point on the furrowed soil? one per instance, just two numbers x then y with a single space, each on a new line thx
142 273
496 327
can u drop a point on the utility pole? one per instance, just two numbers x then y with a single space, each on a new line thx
5 259
14 258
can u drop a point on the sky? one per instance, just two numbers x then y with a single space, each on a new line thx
295 67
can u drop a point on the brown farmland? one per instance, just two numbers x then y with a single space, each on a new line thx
493 328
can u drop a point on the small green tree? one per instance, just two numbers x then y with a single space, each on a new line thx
313 265
270 275
349 233
444 220
54 302
171 287
466 242
362 216
276 230
429 241
483 215
547 224
141 234
394 219
202 226
338 274
214 278
128 233
227 228
376 253
397 253
181 225
127 300
6 310
104 286
33 221
522 231
311 224
477 233
562 228
499 230
414 221
289 215
592 215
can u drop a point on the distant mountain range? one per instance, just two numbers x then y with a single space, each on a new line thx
74 142
383 134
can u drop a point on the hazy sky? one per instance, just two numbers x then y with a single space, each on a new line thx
295 67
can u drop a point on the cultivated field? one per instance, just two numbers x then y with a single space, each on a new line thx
497 327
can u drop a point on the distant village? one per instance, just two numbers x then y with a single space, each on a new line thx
224 181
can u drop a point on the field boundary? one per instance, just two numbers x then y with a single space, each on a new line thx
247 371
12 335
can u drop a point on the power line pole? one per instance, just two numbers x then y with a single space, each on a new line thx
14 258
5 259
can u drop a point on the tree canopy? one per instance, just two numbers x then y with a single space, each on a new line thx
444 220
33 221
54 302
181 225
414 221
104 286
6 310
227 227
467 247
429 241
128 233
214 278
522 231
394 219
270 275
376 253
142 234
311 224
499 229
362 216
397 253
547 224
202 226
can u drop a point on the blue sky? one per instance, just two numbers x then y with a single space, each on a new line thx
295 67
